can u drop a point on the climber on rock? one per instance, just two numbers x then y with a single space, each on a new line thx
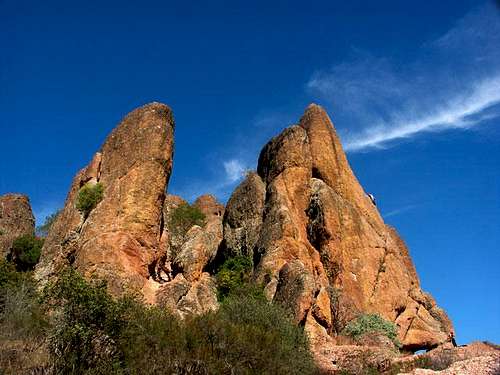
372 198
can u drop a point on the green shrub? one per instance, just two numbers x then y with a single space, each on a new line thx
367 323
23 323
25 252
85 319
183 218
9 277
43 230
88 198
93 333
233 274
249 335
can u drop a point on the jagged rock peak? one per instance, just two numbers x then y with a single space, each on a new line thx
319 243
16 219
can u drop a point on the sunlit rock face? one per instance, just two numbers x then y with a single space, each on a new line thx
317 241
120 237
312 231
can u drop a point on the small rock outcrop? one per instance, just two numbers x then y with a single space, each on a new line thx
314 234
16 220
119 239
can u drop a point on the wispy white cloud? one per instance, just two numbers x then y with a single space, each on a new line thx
459 113
234 169
453 83
399 211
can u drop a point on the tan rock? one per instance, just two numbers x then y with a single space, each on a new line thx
201 297
119 239
199 248
243 217
320 231
209 206
16 220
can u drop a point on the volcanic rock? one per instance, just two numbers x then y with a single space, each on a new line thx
119 239
313 229
16 220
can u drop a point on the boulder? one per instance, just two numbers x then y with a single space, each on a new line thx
16 220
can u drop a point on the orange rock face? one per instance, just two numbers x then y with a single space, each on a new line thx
120 237
16 220
317 232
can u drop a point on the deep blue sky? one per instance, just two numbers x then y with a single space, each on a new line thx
414 92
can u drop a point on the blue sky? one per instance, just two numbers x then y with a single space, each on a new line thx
414 92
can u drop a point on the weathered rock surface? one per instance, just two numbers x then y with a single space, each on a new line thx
16 219
475 358
311 228
119 239
189 289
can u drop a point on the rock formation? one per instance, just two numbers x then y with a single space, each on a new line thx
125 239
119 239
16 220
319 244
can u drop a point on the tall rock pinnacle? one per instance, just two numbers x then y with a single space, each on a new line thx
319 243
121 235
16 220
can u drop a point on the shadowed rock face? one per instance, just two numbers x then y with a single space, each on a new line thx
311 229
120 237
16 219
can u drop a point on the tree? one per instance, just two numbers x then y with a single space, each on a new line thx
25 252
88 198
43 230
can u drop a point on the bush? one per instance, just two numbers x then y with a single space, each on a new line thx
88 198
25 252
249 335
43 230
23 324
368 323
233 274
85 319
93 333
184 218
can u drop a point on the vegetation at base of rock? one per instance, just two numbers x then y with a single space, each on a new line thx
23 323
184 217
80 329
234 273
88 198
25 252
43 230
371 323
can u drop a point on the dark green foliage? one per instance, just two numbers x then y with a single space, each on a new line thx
84 322
183 218
88 198
233 274
25 252
9 277
366 323
23 323
43 230
93 333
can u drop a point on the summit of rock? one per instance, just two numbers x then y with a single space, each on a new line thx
315 231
